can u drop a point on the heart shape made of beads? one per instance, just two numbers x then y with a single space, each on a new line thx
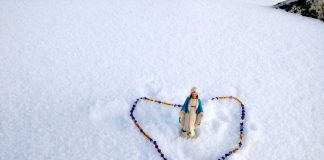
163 156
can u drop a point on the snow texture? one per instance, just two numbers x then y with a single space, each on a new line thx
70 71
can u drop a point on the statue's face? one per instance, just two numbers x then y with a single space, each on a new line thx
194 94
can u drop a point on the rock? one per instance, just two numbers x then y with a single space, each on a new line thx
309 8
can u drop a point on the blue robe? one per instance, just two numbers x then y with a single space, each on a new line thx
185 106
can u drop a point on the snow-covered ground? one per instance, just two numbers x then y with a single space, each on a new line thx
70 71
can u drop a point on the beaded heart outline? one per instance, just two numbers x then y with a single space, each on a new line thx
149 138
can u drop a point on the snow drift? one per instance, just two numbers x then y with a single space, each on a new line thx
70 71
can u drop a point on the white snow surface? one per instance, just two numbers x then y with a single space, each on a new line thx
71 70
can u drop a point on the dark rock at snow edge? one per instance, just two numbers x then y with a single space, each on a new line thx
308 8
